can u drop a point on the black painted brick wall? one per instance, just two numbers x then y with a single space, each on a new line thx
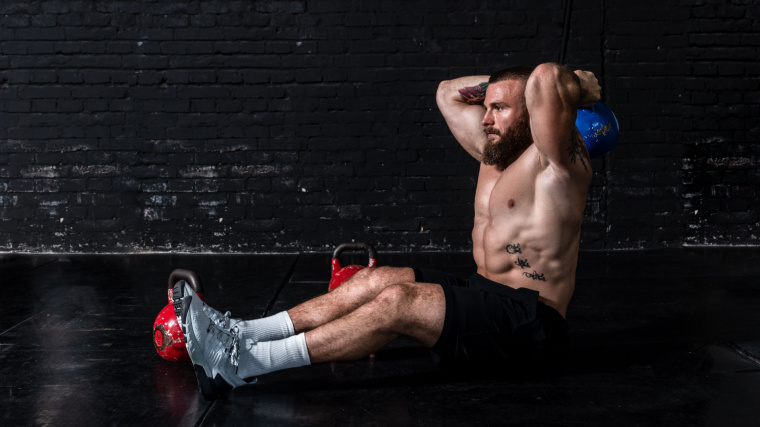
240 126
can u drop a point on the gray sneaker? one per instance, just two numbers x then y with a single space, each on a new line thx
216 316
212 349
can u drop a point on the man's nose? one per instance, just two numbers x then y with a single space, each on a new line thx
487 119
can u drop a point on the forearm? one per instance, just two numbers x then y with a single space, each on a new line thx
591 92
574 88
588 88
469 90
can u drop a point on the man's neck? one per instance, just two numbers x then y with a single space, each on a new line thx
511 160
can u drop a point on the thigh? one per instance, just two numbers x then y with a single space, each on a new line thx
419 310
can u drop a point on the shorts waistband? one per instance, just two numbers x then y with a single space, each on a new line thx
482 283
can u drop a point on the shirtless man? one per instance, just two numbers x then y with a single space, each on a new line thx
529 203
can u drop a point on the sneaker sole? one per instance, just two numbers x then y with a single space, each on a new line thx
211 388
212 384
178 292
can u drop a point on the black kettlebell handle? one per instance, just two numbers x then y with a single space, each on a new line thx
355 247
188 276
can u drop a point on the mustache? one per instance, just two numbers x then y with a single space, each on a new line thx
491 131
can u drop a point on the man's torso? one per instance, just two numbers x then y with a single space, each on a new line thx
527 227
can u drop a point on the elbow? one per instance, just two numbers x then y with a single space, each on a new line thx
555 72
440 95
545 75
548 69
443 87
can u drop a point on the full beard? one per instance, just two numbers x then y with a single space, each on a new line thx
509 145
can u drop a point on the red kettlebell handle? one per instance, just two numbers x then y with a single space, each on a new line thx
353 247
188 276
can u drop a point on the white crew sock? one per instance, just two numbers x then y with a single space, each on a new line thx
275 327
268 356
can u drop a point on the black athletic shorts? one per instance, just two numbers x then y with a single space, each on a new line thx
487 322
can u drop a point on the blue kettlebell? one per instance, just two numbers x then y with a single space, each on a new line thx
599 128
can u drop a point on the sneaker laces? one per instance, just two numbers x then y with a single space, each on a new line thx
235 349
225 321
217 317
229 340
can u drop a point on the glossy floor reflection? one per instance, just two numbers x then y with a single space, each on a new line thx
665 337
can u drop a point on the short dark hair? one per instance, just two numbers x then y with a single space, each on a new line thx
519 72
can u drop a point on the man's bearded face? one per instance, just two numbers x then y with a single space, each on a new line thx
510 143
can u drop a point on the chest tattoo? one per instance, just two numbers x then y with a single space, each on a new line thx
514 249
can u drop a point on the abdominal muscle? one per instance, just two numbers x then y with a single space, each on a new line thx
519 246
534 267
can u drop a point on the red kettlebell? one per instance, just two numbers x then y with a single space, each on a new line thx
167 334
340 275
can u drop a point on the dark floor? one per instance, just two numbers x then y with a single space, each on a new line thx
660 338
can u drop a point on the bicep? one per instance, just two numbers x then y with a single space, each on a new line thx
464 121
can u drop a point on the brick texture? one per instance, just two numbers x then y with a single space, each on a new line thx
280 126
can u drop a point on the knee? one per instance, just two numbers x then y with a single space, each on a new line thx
375 272
367 274
380 278
395 301
395 294
411 309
